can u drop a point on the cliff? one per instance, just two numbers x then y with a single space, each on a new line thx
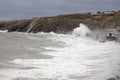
64 23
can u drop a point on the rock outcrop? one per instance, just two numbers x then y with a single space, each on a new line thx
63 23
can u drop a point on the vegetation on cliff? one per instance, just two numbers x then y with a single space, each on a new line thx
64 23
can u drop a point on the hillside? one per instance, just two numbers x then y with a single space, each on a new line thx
64 23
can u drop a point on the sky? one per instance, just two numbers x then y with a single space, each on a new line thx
21 9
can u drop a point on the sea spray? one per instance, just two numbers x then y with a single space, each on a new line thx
29 29
73 57
31 26
3 31
82 30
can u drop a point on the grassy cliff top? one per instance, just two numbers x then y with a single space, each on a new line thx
64 23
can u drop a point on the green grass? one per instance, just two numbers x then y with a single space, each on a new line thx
63 23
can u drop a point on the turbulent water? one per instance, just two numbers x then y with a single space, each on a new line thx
50 56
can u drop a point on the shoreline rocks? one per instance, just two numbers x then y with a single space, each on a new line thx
63 23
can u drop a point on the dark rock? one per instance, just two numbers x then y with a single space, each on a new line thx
112 38
20 26
64 23
112 79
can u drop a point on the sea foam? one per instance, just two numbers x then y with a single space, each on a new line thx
79 58
82 30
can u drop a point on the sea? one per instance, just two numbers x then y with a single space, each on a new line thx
79 55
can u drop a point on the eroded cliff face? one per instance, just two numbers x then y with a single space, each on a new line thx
63 23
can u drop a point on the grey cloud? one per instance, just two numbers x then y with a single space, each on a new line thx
15 9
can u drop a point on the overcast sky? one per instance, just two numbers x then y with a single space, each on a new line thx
17 9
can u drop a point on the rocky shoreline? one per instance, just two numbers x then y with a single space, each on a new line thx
64 23
114 78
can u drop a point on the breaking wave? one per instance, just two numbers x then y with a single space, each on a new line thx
82 30
50 56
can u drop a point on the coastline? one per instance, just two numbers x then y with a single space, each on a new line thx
64 23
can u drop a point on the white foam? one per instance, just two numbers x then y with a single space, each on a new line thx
81 59
3 31
82 30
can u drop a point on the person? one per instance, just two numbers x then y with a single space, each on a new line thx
110 34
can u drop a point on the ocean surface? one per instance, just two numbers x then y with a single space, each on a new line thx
50 56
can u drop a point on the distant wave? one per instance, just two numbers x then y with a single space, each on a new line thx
3 31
